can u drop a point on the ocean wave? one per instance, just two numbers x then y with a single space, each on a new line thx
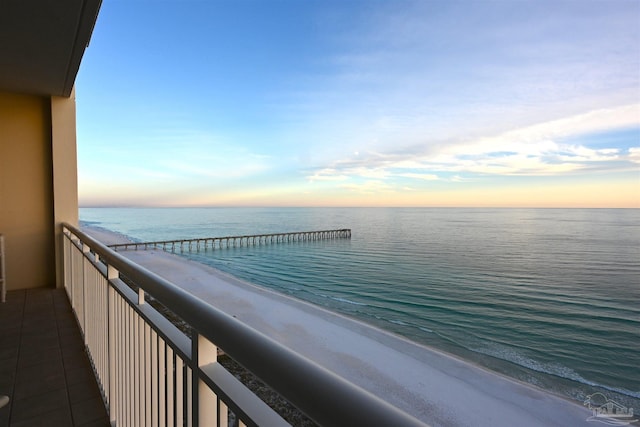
340 299
399 322
346 301
555 369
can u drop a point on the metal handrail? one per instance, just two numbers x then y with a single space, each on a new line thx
322 395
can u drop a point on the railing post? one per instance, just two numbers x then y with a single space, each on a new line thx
205 402
71 274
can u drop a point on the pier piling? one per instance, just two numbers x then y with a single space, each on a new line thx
236 241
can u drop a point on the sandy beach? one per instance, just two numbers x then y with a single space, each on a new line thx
437 388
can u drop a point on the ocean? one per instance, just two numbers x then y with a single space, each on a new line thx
550 297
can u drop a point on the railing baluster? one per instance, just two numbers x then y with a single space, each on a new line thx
155 357
224 413
140 387
147 366
170 379
112 273
189 404
130 367
179 391
162 383
120 362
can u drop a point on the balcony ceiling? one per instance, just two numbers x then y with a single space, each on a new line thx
42 43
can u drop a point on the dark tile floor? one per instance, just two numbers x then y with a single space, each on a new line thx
44 368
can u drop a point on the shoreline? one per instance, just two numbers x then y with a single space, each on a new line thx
436 387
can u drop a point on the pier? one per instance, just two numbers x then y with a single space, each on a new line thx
235 241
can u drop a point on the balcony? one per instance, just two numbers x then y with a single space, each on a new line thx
43 364
147 371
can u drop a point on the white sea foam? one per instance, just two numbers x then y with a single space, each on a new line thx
511 355
347 301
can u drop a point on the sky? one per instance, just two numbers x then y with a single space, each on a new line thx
361 103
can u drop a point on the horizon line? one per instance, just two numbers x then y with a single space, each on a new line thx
117 206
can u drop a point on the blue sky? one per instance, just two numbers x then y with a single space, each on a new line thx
361 103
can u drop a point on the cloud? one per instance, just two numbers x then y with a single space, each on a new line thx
400 76
328 174
537 150
634 154
543 137
368 187
423 176
222 169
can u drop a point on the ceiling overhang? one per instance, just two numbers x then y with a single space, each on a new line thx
42 43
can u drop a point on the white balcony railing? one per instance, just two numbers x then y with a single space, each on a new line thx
152 374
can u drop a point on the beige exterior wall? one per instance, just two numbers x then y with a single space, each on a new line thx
37 161
65 171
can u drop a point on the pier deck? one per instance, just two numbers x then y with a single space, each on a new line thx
235 241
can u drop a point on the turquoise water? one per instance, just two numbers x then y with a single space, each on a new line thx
547 296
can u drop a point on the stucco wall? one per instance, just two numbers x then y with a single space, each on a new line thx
26 190
65 171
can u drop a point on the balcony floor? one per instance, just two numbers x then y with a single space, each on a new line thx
44 368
